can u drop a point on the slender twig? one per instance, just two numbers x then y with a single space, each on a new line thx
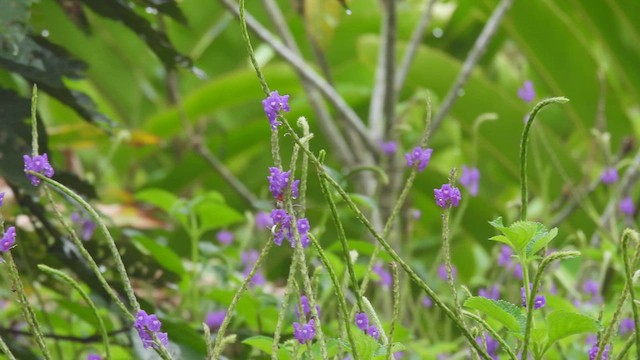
383 95
5 350
352 119
396 308
207 340
414 44
101 329
493 333
625 348
473 57
627 235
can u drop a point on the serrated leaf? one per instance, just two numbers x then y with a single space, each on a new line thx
562 324
506 313
541 239
523 236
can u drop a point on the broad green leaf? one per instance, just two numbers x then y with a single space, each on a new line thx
159 198
565 323
541 239
213 215
505 312
523 236
162 254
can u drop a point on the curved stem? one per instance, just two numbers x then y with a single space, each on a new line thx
626 236
493 333
87 299
523 150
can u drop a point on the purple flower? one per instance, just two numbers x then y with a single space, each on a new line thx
214 319
8 239
362 321
470 178
526 92
1 198
627 325
86 225
591 288
626 206
592 339
303 229
278 181
283 222
263 220
609 175
386 280
39 164
517 271
419 156
146 325
427 302
538 302
295 189
373 332
447 195
399 355
505 259
442 272
492 345
304 333
225 237
389 147
94 357
491 292
593 352
272 106
249 257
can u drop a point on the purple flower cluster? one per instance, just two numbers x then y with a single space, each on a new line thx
526 92
538 302
505 260
592 289
39 164
263 220
427 302
386 280
491 292
627 325
8 239
304 332
94 357
278 182
224 237
442 272
214 319
609 175
470 179
492 345
272 106
389 147
420 157
627 207
362 322
148 325
593 352
87 226
249 258
306 308
447 195
284 230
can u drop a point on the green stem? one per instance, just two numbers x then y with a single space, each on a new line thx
133 302
217 348
338 289
523 150
5 350
27 311
34 120
626 347
396 308
87 299
626 236
493 333
283 307
558 255
207 339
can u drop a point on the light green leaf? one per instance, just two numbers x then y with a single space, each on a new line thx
504 312
159 198
395 347
565 323
162 254
541 239
523 236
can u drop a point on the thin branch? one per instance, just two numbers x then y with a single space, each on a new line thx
341 106
383 96
331 131
473 57
412 48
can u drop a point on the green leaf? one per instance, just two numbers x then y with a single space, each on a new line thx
395 347
213 213
541 239
162 254
504 312
264 343
565 323
523 236
159 198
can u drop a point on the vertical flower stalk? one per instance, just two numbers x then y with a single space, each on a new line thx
396 308
627 235
523 150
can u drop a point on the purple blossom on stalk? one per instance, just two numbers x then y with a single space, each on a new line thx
214 319
593 352
389 147
609 175
592 339
627 325
470 178
94 357
447 195
491 292
146 325
362 321
505 258
272 106
303 229
224 237
591 288
278 181
373 332
538 302
263 220
526 92
386 280
491 343
442 272
304 333
419 156
8 239
86 225
626 206
427 302
39 164
283 230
